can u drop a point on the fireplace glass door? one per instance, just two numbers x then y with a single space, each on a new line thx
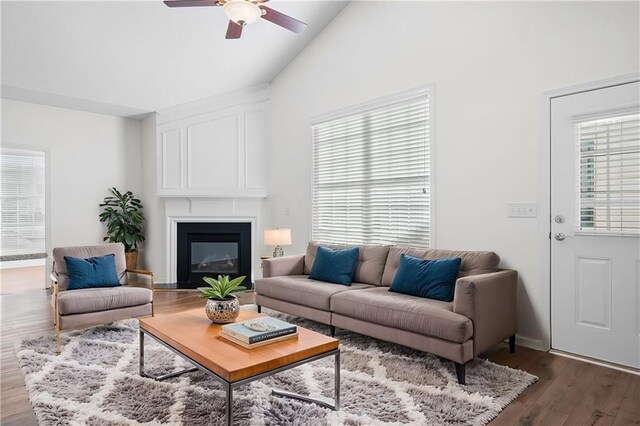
215 258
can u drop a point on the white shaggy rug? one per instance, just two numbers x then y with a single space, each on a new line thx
95 381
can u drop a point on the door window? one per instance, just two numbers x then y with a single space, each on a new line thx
608 166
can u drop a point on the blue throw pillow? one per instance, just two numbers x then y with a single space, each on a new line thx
334 266
93 272
433 279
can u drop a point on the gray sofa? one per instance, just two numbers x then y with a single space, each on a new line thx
482 313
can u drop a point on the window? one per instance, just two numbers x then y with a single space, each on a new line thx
22 197
371 173
609 175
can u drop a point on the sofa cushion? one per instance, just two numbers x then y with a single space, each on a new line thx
93 272
433 279
473 262
301 290
419 315
370 264
334 266
101 299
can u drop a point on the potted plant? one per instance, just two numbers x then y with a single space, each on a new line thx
222 307
124 218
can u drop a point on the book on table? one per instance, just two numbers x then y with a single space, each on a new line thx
260 343
258 330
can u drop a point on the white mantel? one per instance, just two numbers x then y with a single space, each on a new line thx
212 210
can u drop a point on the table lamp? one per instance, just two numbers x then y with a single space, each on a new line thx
277 237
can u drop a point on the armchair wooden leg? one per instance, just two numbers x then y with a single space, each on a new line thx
460 372
512 344
259 309
58 345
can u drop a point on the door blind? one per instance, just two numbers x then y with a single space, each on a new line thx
371 171
22 198
609 175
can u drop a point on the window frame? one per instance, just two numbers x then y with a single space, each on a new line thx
375 103
8 147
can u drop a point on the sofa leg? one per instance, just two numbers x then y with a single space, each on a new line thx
460 372
259 309
512 344
332 331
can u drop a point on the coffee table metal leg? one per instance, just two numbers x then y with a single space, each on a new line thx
336 397
229 405
141 353
157 378
336 393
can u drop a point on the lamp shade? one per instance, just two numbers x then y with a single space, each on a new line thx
277 237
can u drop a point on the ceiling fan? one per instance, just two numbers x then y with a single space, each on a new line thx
243 12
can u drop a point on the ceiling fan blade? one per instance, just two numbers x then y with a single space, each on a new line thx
191 3
283 20
233 30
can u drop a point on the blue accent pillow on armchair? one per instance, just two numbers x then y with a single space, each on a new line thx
433 279
92 272
334 266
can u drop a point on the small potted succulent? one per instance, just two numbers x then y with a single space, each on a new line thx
222 307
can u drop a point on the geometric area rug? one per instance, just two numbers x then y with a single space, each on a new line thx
95 381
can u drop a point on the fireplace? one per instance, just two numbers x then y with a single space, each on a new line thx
212 249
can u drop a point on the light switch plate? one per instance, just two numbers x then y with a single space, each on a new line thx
522 209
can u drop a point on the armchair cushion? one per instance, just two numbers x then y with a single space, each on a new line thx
99 271
101 299
83 252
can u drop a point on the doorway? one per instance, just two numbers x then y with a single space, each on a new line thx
23 213
595 224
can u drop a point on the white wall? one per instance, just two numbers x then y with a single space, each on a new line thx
489 63
88 153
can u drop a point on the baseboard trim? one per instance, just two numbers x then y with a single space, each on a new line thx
611 365
530 343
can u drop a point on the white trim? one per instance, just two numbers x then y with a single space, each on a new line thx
544 201
212 104
172 232
48 239
27 263
361 107
426 89
618 367
528 342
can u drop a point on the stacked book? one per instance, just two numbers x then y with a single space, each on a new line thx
258 332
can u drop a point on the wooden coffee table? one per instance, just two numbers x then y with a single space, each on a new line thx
191 335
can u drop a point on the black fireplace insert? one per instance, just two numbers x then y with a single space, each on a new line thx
212 249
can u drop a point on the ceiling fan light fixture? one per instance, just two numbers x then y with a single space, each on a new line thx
242 12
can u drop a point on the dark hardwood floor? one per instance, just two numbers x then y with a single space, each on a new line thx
568 392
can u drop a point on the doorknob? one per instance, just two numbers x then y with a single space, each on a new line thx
560 236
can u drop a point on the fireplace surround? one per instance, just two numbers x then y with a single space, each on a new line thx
212 249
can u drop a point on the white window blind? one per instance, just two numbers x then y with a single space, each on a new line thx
609 175
371 173
22 198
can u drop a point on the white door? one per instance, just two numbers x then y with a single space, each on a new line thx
595 224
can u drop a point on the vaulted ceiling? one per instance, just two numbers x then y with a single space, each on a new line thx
135 57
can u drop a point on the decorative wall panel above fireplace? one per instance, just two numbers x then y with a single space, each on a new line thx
218 154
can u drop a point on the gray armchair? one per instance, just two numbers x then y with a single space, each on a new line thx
73 309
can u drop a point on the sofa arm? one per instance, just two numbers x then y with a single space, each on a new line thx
491 302
287 265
